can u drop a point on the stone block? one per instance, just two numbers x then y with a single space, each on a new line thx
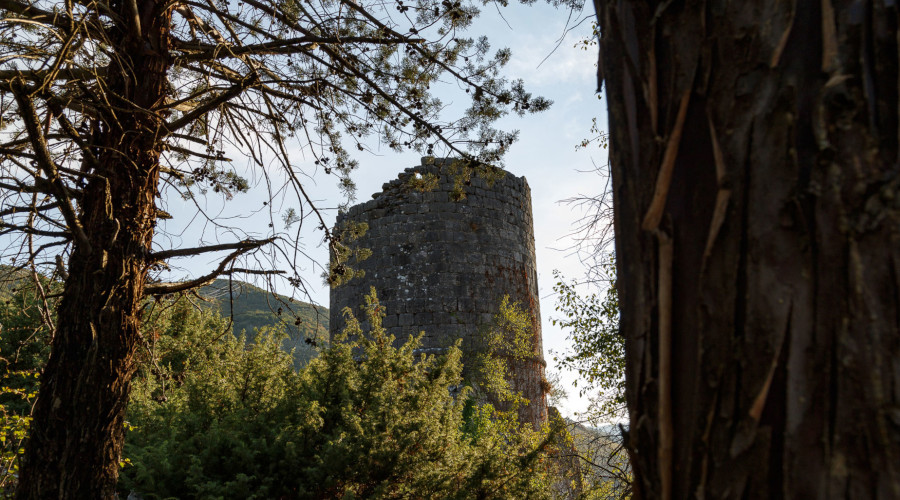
390 321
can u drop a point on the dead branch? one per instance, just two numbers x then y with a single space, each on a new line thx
188 252
45 161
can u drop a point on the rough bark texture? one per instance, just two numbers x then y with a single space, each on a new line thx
77 434
760 292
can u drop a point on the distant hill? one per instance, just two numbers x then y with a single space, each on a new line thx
253 308
11 276
250 306
14 278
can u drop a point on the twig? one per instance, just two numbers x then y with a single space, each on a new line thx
188 252
45 161
220 270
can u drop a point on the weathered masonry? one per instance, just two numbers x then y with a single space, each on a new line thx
443 266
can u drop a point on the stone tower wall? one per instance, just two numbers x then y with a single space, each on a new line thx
443 266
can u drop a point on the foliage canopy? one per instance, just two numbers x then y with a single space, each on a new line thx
213 416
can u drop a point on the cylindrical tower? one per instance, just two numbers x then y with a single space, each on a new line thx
443 266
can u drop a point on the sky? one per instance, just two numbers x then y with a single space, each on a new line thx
544 54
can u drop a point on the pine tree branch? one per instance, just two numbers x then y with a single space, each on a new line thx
211 104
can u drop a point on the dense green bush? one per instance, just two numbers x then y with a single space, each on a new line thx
215 418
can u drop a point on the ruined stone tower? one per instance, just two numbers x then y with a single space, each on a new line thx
443 266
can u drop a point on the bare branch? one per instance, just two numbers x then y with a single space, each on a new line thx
206 52
52 18
73 133
167 288
185 151
41 186
188 252
35 14
40 75
201 110
18 210
13 228
45 161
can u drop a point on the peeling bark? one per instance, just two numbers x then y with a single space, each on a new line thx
784 218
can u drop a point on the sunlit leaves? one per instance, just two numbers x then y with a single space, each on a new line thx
369 418
345 257
24 349
507 339
597 350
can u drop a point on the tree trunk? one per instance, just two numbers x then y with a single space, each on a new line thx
759 262
76 437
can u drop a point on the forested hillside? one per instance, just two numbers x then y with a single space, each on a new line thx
252 308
